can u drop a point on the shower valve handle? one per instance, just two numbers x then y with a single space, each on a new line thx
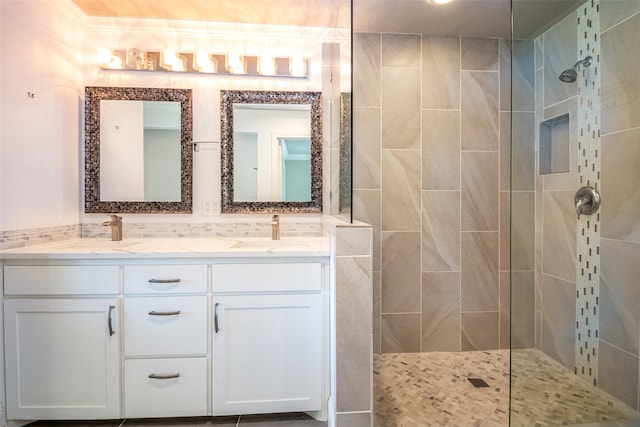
587 201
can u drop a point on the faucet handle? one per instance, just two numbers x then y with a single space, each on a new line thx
115 218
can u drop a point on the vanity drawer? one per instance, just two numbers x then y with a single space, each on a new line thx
160 279
183 395
280 277
165 326
61 279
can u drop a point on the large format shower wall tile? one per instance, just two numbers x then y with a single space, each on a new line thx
479 271
559 235
479 331
366 208
401 279
401 50
620 294
620 209
505 75
523 76
401 108
559 320
354 305
620 64
480 54
401 195
400 333
517 309
480 203
614 12
366 70
440 312
366 148
440 231
522 152
560 47
618 373
441 72
517 235
440 150
479 110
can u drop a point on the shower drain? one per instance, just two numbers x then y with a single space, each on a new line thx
478 382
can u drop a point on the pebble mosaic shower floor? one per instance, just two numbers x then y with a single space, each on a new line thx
432 389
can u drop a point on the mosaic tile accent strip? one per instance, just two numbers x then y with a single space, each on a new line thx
11 239
431 389
588 240
230 97
204 230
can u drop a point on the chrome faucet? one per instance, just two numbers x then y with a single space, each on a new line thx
275 227
116 227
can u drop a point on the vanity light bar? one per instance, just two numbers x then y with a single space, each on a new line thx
201 62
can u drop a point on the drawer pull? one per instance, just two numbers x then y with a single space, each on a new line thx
110 321
164 313
164 377
161 281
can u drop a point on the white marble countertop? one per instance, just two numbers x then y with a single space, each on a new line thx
172 248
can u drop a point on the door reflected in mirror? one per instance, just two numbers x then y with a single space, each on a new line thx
140 151
272 153
271 149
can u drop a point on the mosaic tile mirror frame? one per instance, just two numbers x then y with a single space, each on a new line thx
93 203
227 100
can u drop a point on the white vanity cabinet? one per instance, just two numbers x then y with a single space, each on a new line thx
165 340
133 335
267 338
62 353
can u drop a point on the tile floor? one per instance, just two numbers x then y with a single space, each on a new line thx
271 420
431 389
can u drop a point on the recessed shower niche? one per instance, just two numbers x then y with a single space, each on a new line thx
554 145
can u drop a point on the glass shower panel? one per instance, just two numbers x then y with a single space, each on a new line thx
574 295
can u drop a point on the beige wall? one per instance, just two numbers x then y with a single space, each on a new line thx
431 173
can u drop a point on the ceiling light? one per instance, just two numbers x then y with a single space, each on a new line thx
440 1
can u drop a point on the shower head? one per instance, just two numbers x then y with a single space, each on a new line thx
571 74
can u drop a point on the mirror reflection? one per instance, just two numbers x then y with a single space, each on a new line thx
272 153
138 156
139 151
271 146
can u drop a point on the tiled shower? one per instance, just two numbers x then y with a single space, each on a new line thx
431 174
432 156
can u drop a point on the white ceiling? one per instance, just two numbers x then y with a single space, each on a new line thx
481 18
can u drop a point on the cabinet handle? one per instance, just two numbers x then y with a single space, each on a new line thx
164 280
164 313
216 327
110 321
164 377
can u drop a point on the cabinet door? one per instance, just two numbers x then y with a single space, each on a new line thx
62 358
267 354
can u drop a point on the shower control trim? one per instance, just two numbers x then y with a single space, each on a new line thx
587 201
